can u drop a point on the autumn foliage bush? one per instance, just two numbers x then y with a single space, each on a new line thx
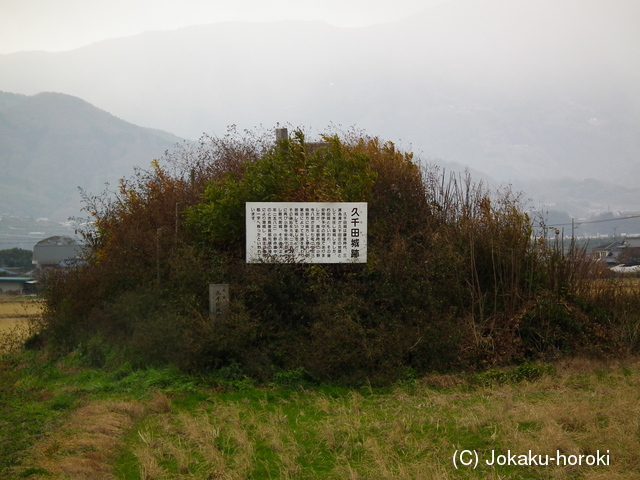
455 277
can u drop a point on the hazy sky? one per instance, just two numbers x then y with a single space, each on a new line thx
55 25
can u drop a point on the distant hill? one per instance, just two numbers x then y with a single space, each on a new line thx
542 94
51 144
518 89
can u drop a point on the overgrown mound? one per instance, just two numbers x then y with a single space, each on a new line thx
454 279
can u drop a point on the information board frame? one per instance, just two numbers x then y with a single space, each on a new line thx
306 232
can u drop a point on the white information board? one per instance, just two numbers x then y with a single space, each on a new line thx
306 232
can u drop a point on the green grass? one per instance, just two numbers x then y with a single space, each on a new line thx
160 423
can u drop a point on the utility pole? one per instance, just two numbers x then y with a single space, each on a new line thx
158 234
178 208
573 228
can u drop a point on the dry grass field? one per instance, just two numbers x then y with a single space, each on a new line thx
60 418
580 423
579 419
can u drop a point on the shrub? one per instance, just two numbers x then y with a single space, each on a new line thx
454 279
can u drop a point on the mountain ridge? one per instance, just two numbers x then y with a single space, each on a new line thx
96 148
522 92
51 144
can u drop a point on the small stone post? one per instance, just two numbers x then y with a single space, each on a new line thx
218 301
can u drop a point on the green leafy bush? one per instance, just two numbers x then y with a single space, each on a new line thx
455 276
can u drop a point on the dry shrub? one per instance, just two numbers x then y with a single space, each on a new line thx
454 279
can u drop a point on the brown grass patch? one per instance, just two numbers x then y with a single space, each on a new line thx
84 447
197 445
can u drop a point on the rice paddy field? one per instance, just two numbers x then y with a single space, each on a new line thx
15 314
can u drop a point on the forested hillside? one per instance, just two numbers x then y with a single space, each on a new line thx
51 144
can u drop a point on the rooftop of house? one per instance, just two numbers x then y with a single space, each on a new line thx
608 246
17 279
55 254
633 242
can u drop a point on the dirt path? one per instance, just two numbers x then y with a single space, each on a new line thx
86 444
84 447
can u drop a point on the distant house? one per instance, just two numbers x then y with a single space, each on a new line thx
631 242
630 255
56 252
17 285
608 252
